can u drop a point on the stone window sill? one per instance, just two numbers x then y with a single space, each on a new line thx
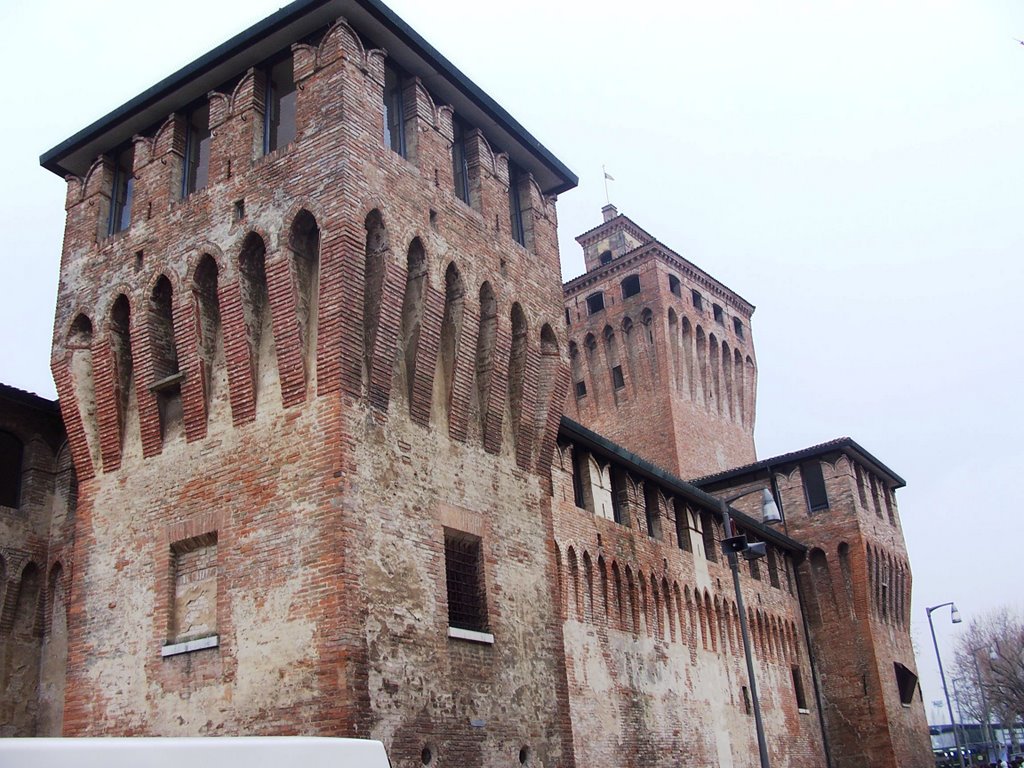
472 636
803 711
173 649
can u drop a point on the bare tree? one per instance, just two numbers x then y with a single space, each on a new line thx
989 667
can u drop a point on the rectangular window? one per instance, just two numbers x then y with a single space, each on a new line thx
460 163
719 314
515 205
798 690
394 110
121 191
737 326
673 285
197 150
581 389
697 299
578 457
682 526
814 485
617 381
279 105
652 511
464 575
707 524
620 495
194 580
773 567
595 303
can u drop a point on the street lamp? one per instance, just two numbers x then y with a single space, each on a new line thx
954 616
732 547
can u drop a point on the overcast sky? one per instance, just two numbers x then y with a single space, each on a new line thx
854 169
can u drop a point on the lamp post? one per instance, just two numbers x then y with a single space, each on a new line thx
732 547
954 616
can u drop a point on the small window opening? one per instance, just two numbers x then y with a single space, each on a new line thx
460 162
279 105
617 381
581 389
578 459
814 485
906 681
737 326
673 285
719 314
631 286
652 511
464 576
620 496
773 568
568 319
708 534
798 689
238 212
595 303
697 299
197 150
515 204
682 526
606 258
11 453
121 191
394 110
746 700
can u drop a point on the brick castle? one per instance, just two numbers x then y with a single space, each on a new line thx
336 454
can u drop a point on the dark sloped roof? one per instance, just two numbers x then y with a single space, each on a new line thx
841 444
29 399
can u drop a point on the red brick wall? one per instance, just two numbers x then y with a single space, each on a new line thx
680 407
661 683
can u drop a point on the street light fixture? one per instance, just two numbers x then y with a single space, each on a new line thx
732 547
954 616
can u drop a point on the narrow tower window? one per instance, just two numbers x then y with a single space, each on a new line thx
394 110
197 150
279 105
460 163
121 192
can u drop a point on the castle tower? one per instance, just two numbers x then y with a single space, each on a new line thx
840 502
661 353
311 359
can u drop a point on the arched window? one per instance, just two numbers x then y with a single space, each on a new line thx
11 454
373 274
304 241
630 286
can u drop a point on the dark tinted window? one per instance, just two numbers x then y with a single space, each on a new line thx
279 116
10 470
814 485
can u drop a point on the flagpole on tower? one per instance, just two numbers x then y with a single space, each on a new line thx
607 178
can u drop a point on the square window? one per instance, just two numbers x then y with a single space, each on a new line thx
464 576
581 389
595 303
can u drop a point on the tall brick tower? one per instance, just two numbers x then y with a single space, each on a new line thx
661 353
311 359
840 501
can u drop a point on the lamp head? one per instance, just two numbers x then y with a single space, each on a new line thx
954 615
769 509
755 550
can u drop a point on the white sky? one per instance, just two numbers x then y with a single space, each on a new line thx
854 169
